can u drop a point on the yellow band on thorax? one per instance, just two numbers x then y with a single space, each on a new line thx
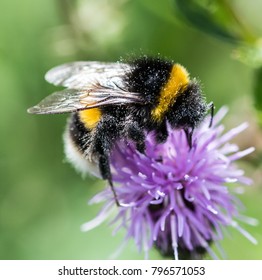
90 117
176 84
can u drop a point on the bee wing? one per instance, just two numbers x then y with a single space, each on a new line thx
82 74
89 84
71 100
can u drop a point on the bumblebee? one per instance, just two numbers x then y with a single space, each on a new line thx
111 101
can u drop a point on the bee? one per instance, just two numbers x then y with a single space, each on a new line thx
112 101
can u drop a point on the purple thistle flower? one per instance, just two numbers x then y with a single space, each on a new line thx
175 198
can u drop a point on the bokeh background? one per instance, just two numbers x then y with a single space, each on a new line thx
43 201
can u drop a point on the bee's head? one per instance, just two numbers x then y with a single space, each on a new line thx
189 108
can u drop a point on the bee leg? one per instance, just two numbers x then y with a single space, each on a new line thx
212 108
136 134
189 134
106 133
161 133
104 167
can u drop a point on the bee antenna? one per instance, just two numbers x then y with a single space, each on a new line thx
211 107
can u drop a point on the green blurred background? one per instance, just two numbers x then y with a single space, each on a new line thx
42 199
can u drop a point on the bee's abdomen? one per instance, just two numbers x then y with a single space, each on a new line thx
90 117
77 140
78 132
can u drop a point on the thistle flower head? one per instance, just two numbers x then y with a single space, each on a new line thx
175 198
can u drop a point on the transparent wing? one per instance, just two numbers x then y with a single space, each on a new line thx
71 100
82 74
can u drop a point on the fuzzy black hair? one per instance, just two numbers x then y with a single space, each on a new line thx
148 76
189 109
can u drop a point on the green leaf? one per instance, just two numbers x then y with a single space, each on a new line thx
209 17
